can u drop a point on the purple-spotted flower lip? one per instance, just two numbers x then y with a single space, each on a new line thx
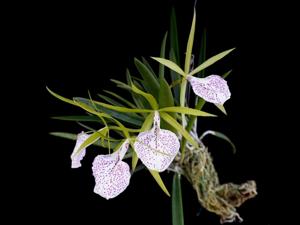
76 157
112 175
212 88
157 147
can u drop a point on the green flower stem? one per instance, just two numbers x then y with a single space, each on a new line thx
183 121
189 126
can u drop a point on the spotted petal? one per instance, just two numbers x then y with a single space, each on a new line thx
77 157
212 89
157 147
112 175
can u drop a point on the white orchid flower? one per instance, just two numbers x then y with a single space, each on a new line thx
212 89
75 156
112 175
157 147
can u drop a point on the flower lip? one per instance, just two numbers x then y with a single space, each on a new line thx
112 175
157 147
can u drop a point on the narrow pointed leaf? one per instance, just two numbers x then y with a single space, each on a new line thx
110 100
122 109
138 100
202 54
162 55
175 77
186 110
211 61
128 129
166 100
177 208
170 120
221 108
134 161
148 122
174 36
89 107
64 135
147 96
147 64
144 103
77 118
171 65
150 79
159 181
189 47
121 84
121 99
219 135
165 94
227 74
93 138
61 97
73 137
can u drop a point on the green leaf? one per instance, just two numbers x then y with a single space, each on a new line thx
174 37
202 55
219 135
170 120
177 208
121 98
171 65
150 79
144 103
134 160
185 110
165 100
73 137
77 118
121 84
162 55
148 122
138 100
131 119
221 108
122 109
175 77
211 61
189 47
61 97
147 96
65 135
110 100
146 63
128 129
93 138
165 94
227 74
86 127
159 181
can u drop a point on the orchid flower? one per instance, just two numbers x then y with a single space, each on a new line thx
112 175
76 157
212 89
157 147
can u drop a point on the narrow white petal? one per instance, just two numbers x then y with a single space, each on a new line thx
77 157
212 89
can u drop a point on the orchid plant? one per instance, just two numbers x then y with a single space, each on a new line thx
158 126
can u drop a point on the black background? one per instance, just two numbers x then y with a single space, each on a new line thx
75 47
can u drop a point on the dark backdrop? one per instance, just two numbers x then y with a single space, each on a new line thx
75 47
